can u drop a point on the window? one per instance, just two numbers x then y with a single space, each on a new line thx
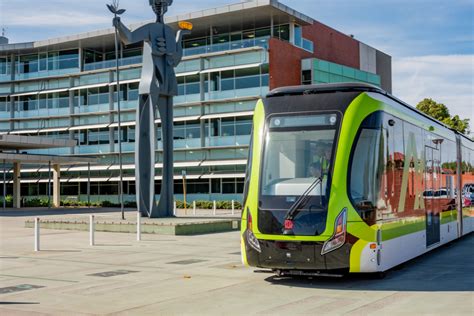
53 61
367 168
133 91
192 84
298 36
282 32
306 77
247 78
28 64
3 66
63 98
243 126
43 62
228 186
227 80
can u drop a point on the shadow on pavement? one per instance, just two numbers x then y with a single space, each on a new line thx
19 303
448 268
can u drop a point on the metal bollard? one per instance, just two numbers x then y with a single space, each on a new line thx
194 208
214 207
139 226
175 208
91 230
37 234
233 208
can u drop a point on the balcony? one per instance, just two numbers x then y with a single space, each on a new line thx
247 43
112 63
219 141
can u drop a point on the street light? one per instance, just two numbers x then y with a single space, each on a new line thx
114 8
183 173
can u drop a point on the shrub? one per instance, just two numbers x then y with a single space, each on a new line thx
130 204
108 204
8 201
180 204
35 202
204 205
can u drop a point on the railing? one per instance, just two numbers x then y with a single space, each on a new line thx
112 63
259 41
218 141
48 73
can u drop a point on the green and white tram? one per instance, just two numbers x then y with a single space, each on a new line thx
346 178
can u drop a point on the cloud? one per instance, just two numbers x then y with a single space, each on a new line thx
444 78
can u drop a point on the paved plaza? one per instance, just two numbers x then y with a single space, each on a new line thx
203 275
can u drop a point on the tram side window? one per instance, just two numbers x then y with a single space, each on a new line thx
448 185
467 168
411 188
395 163
367 184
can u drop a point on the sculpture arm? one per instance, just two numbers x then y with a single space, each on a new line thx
130 37
179 46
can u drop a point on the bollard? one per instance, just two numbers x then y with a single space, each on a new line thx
194 208
233 208
139 226
175 208
37 234
214 207
91 230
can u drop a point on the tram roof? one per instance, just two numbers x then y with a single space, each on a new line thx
329 87
350 87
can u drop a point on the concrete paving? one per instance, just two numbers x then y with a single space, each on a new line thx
202 275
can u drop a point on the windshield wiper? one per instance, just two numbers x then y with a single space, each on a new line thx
295 208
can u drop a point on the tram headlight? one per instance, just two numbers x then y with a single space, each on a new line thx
339 237
252 240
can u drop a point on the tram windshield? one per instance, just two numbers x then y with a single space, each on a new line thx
298 149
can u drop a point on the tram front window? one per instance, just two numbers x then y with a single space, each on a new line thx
298 149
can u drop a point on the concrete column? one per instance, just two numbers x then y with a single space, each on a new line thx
202 99
12 91
16 185
56 185
272 25
112 112
71 112
292 33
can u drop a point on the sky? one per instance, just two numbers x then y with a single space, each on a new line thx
431 41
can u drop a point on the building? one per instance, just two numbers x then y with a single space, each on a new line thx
65 88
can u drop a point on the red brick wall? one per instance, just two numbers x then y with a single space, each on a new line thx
285 63
332 45
329 44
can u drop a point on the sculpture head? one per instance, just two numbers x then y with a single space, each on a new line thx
160 7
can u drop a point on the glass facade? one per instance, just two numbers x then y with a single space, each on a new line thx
322 71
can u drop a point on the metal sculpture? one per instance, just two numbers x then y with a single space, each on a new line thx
162 52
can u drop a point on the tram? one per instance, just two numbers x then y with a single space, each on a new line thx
345 178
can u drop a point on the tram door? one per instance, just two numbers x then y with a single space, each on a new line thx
431 194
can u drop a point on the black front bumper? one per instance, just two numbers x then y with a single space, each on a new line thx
296 255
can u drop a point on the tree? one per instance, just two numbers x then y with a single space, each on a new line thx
440 112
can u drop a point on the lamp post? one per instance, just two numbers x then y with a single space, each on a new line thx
183 173
114 8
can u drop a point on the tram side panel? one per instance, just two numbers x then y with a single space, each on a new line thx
410 183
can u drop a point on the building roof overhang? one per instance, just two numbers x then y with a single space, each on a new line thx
44 159
17 142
